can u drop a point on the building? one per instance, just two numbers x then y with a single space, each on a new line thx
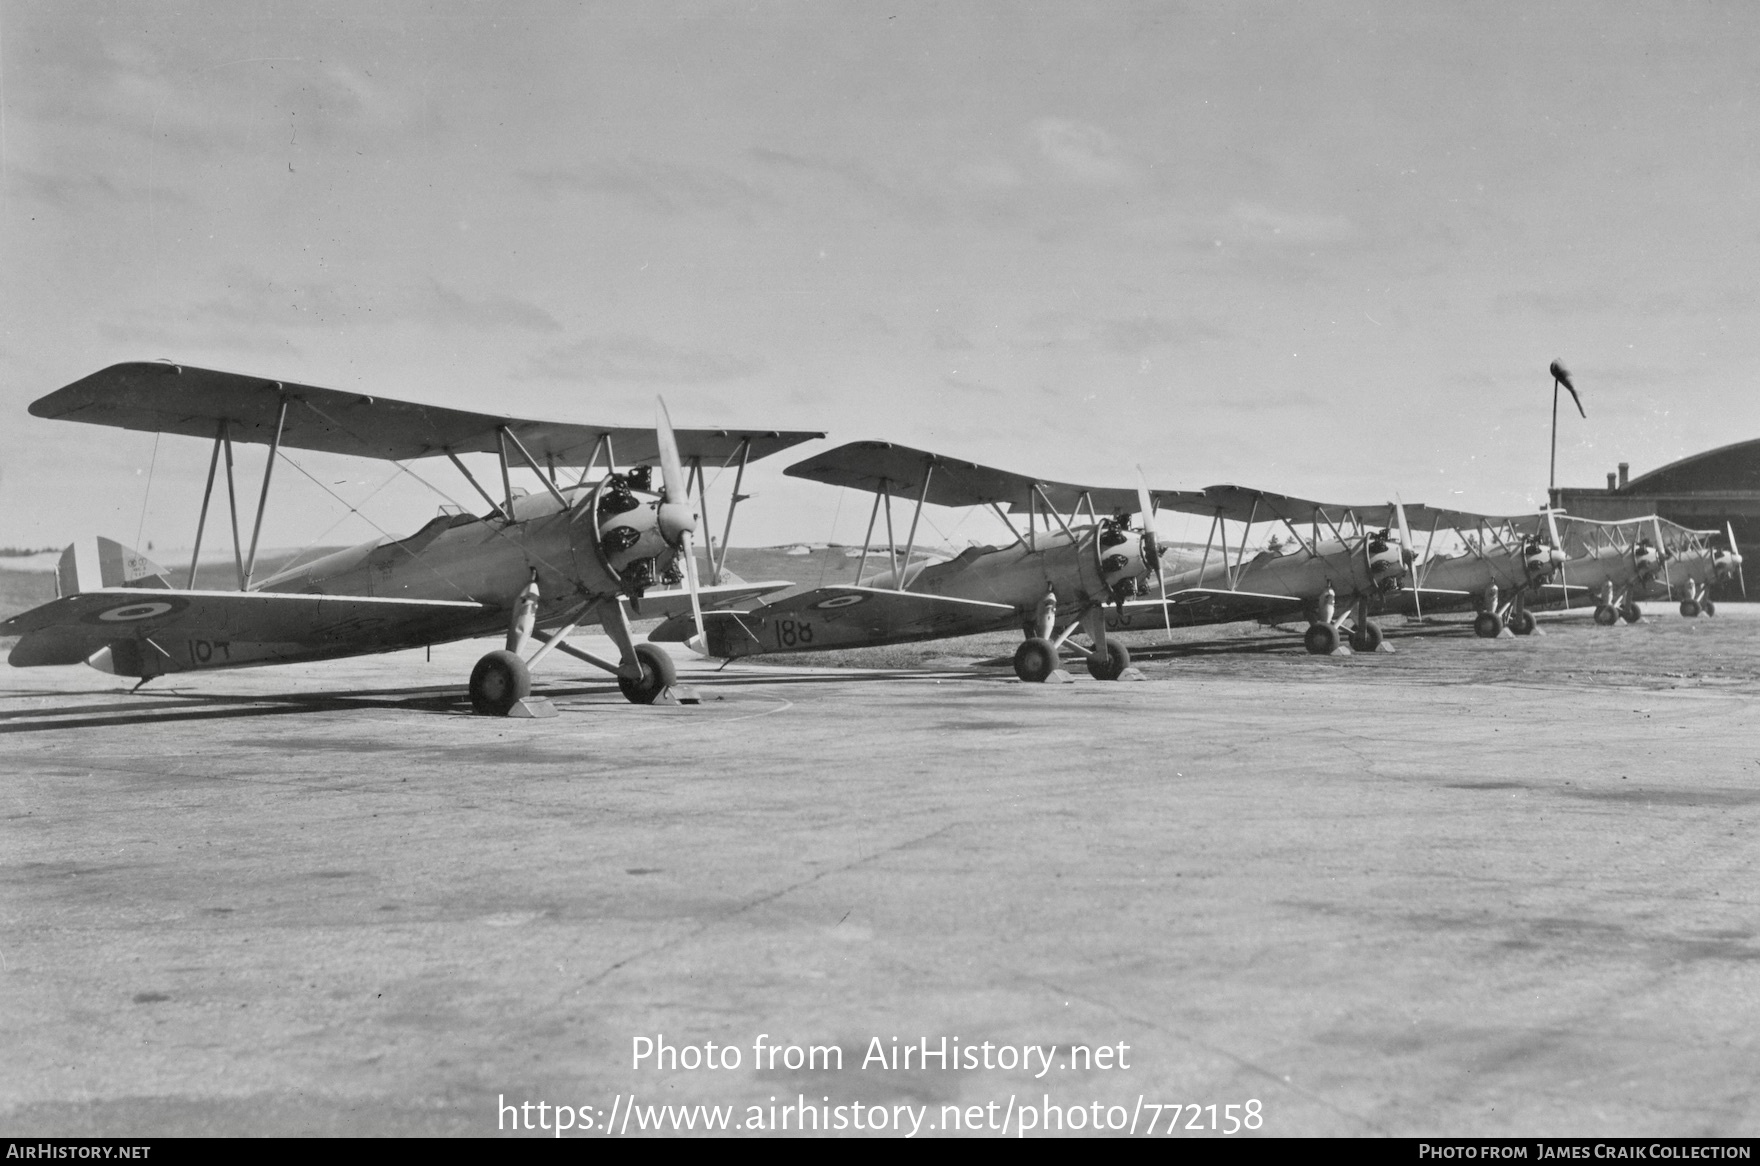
1705 491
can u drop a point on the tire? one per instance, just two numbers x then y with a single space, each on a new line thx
1522 623
1689 609
1631 613
1708 607
1606 616
658 675
1118 658
1366 638
1034 660
1321 639
498 682
1486 625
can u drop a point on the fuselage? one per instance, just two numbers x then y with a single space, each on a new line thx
1074 568
1350 570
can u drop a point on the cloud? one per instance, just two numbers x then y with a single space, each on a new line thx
1289 400
489 313
65 190
947 338
626 358
665 188
1271 224
1128 336
1081 152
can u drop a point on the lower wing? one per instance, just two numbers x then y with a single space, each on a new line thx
839 617
1191 606
136 632
1411 600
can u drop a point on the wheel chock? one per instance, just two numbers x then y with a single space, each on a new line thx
1058 676
1131 674
534 708
1384 648
677 694
1343 649
1505 633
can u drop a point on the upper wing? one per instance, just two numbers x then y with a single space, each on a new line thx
172 398
839 617
1241 504
70 629
1203 605
877 466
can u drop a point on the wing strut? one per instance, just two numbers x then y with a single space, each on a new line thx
911 543
263 498
472 479
524 453
195 556
891 540
232 503
739 476
868 539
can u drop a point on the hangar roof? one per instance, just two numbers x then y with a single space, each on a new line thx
1721 470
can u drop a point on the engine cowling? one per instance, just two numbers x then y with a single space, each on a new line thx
1387 560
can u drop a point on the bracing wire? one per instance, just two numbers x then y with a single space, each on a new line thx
148 493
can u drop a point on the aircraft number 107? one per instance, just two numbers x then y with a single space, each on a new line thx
202 651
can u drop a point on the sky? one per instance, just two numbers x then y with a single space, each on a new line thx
1327 249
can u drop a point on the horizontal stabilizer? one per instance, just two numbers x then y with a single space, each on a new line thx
677 602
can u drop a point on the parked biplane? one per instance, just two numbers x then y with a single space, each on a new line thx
1615 564
536 565
1337 577
1695 561
1078 554
1500 567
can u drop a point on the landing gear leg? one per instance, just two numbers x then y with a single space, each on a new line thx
1109 658
645 673
1366 636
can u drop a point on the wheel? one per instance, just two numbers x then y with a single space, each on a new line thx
1606 616
1631 613
1034 660
658 675
1118 658
1366 638
499 680
1708 607
1486 625
1689 609
1321 639
1522 623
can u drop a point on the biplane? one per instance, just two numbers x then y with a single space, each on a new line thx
1614 564
537 565
1077 554
1337 576
1696 560
1500 567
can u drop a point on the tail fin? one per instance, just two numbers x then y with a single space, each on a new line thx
104 562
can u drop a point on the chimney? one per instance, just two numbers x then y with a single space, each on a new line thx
1623 468
1612 482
